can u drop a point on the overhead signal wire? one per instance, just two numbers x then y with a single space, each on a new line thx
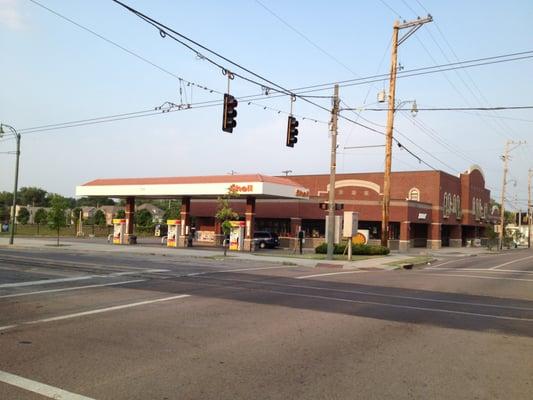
252 97
498 124
307 39
165 31
170 107
498 108
432 134
130 52
419 71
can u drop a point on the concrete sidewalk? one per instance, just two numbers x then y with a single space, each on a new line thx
392 261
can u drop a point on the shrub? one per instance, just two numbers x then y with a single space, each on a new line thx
358 249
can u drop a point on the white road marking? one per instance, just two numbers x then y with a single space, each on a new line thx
3 328
39 388
255 269
71 288
485 271
329 274
465 258
235 270
377 294
106 309
97 311
45 281
436 310
78 278
143 271
74 264
502 278
407 307
511 262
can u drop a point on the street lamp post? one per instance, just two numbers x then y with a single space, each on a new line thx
14 208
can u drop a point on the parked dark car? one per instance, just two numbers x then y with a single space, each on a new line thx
263 239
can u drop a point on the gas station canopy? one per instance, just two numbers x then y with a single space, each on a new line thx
255 185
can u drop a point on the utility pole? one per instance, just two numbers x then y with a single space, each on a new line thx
14 208
414 26
505 159
332 169
529 213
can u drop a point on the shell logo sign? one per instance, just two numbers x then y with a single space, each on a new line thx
302 193
361 237
241 189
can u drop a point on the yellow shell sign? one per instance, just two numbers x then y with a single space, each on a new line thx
359 238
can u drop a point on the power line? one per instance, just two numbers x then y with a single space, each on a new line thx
453 108
165 31
130 52
168 107
283 21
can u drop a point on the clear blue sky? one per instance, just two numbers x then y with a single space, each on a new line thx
53 71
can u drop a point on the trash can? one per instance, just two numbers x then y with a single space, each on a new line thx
132 239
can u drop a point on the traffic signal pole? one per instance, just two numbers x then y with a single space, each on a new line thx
332 170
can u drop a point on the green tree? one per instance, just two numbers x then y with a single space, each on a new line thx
4 214
492 236
225 214
173 211
144 220
40 217
57 214
99 218
23 216
32 196
6 199
75 214
94 202
120 214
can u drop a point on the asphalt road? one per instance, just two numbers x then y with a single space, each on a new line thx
118 326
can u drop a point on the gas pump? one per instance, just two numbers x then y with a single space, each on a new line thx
119 231
174 228
236 236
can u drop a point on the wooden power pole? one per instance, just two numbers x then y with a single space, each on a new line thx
505 159
530 173
414 26
332 170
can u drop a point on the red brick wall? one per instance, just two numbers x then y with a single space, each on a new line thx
431 184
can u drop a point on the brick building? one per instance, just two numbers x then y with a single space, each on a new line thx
427 209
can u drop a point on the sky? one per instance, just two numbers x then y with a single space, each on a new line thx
53 71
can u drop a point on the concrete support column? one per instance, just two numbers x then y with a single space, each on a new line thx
219 236
405 236
185 220
456 239
434 236
250 222
130 216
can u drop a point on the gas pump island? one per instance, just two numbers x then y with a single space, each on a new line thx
119 231
247 188
174 227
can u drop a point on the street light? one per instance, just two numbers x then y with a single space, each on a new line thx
414 108
13 210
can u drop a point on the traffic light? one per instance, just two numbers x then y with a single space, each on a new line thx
230 113
292 132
